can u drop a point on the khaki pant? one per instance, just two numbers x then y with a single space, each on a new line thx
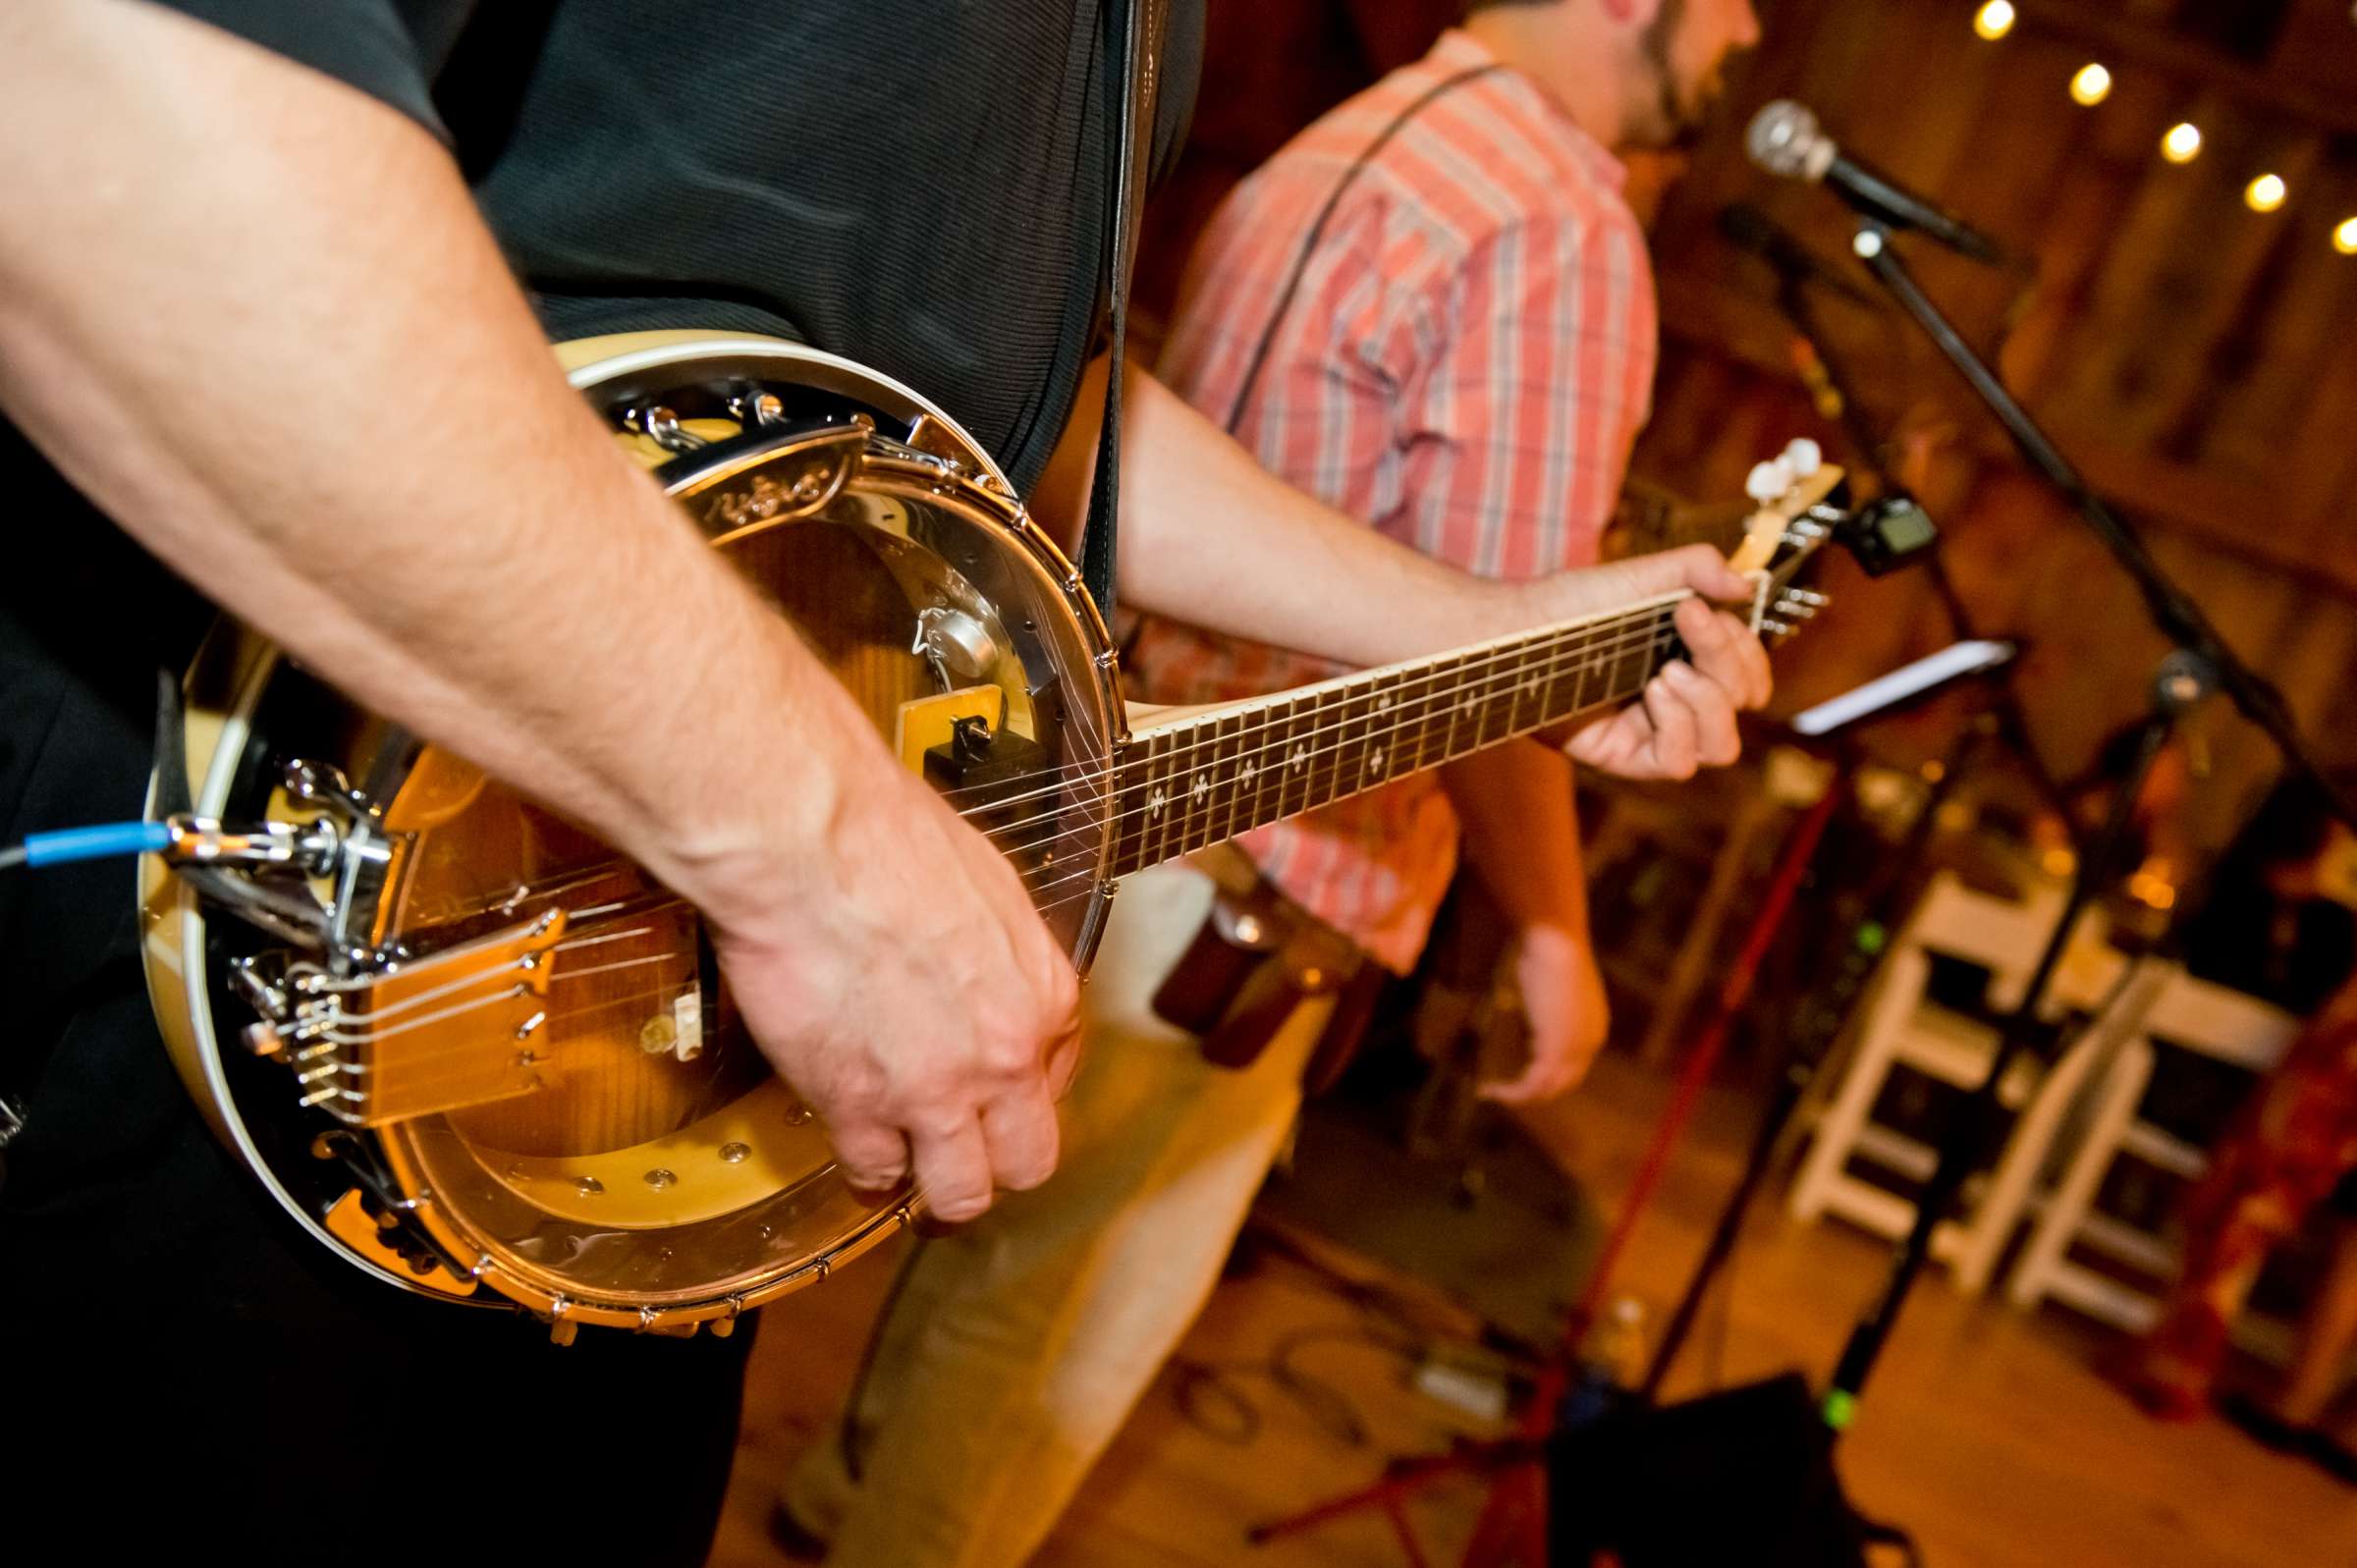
1014 1348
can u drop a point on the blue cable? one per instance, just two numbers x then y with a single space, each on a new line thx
89 844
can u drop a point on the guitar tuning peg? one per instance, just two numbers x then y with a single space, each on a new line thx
1805 456
1768 480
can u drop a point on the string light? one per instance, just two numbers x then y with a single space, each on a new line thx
2182 143
2344 237
1994 19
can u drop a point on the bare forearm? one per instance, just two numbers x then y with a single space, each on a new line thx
253 315
1522 833
1210 537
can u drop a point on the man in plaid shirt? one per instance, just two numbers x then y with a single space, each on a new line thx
1458 350
1463 361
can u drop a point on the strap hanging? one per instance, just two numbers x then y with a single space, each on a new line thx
1132 53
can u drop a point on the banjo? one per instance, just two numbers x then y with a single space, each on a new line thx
481 1057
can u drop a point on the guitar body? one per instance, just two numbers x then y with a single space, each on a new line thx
482 1056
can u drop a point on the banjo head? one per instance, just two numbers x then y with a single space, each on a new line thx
520 1077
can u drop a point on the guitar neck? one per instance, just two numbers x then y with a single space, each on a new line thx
1211 774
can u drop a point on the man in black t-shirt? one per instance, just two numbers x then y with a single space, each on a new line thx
259 304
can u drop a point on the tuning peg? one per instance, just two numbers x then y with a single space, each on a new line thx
1805 456
1768 480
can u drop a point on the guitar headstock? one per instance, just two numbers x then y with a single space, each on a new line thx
1794 516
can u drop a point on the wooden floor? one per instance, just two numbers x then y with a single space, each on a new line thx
1986 1432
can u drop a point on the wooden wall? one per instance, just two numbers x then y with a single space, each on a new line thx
2197 360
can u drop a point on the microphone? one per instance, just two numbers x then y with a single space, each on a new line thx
1783 139
1769 241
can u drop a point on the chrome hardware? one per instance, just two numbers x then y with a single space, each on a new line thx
660 1178
320 784
588 1186
1782 628
735 1154
307 849
12 1120
954 642
757 409
1808 597
254 871
562 1330
661 425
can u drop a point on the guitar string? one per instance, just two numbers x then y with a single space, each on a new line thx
1624 625
1420 718
1091 831
1628 633
1521 670
1660 642
1662 637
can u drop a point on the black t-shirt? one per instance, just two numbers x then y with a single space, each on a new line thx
920 186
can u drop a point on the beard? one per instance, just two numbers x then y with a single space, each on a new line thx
1682 106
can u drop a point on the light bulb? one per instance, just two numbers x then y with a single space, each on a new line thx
1994 19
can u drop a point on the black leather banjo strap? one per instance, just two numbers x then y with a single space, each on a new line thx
1132 70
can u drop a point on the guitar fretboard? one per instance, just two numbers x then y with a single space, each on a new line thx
1200 780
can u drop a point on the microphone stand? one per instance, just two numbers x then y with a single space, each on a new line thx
2200 662
2179 619
2013 725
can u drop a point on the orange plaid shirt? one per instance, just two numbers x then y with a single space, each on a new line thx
1464 365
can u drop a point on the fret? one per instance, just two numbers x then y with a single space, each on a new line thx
1328 745
1513 677
1639 655
1161 801
1580 675
1191 784
1301 756
1231 774
1356 764
1120 830
1527 703
1252 735
1268 741
1450 689
1378 752
1491 728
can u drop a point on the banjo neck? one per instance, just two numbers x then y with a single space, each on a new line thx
1209 775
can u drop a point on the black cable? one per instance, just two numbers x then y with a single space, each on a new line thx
1317 230
1211 1395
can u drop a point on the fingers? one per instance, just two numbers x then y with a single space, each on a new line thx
1608 744
873 1156
1674 747
1724 649
1711 716
953 1167
1534 1083
1695 566
1063 1063
1020 1136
